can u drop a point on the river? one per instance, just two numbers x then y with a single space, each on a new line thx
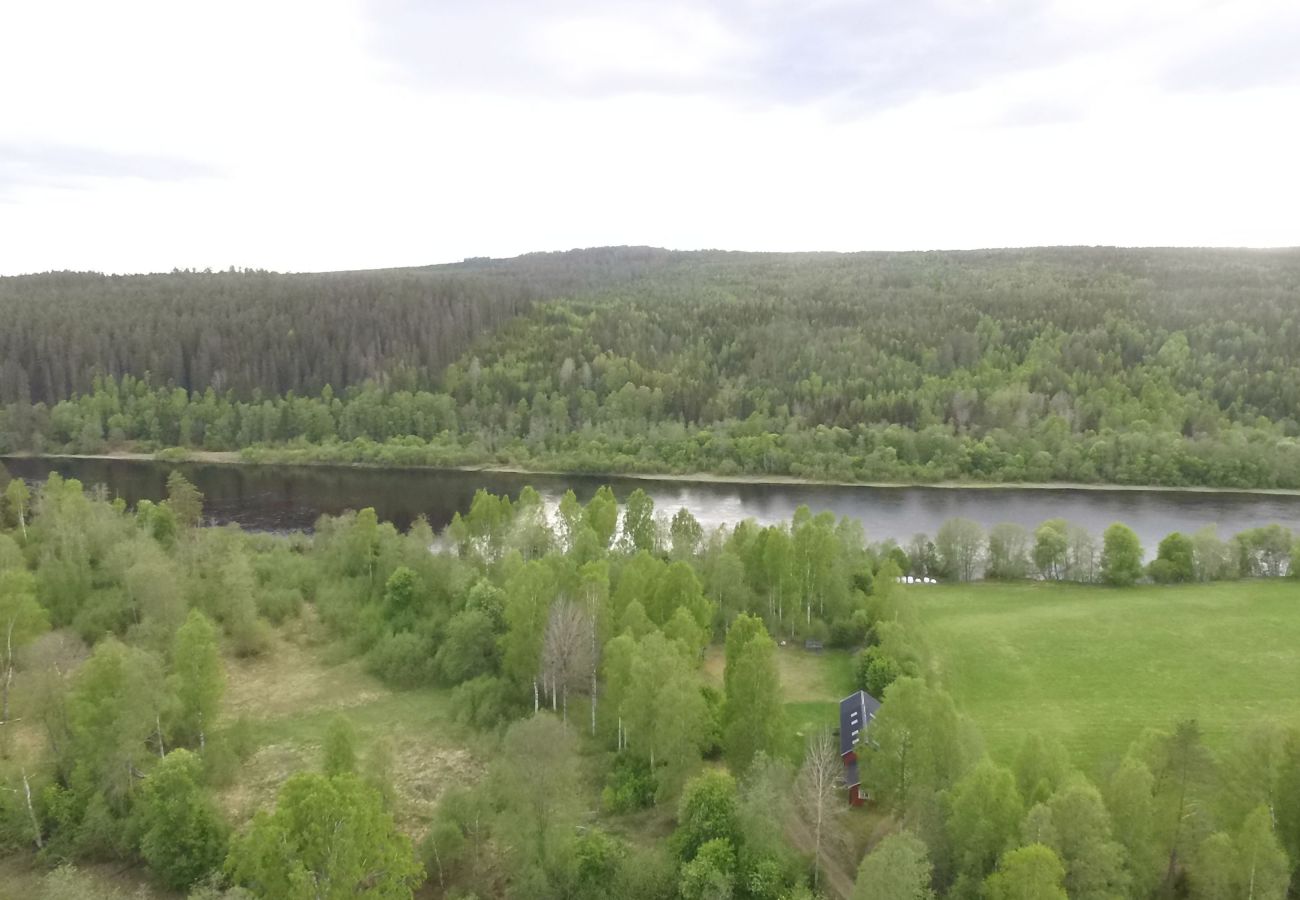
281 498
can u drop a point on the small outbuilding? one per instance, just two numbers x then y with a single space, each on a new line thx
856 712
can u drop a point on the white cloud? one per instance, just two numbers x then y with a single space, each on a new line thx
299 136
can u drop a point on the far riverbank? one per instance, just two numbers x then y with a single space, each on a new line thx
271 458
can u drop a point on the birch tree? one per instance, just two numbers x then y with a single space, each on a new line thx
21 620
752 720
663 712
18 499
528 600
820 796
567 648
198 678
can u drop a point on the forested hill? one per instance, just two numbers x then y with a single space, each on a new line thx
1136 366
256 330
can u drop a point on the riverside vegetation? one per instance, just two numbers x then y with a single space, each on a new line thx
1162 367
565 657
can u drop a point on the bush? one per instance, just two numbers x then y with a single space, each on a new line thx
877 670
225 750
630 785
1162 571
1121 556
278 604
184 837
405 659
469 648
1173 561
711 735
816 630
484 702
105 612
853 631
707 812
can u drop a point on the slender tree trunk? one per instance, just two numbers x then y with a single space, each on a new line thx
31 812
203 744
1178 824
9 671
591 623
157 724
437 861
817 843
536 699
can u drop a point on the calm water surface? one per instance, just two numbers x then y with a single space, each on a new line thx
279 498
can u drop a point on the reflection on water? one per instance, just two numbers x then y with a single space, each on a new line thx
292 497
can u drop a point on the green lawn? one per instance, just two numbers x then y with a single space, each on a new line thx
1096 666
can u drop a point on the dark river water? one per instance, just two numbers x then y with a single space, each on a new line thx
292 497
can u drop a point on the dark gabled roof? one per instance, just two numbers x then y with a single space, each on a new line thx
851 776
856 712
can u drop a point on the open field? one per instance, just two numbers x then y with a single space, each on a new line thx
1096 666
288 698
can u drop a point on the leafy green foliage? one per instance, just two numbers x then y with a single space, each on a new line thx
183 836
339 755
1174 560
1028 873
984 818
1121 556
917 746
1018 365
327 838
898 868
752 720
707 812
21 620
198 677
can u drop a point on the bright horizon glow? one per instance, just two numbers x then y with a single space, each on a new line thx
356 134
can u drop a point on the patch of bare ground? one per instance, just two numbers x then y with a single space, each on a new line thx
291 678
291 694
21 879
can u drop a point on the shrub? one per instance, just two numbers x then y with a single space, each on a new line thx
404 659
630 785
877 670
278 604
485 701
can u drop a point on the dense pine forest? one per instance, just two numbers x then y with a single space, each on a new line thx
260 331
1171 367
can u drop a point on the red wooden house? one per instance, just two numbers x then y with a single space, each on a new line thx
856 712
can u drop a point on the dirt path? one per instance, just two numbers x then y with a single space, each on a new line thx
835 880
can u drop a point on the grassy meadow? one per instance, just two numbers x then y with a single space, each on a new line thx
1095 666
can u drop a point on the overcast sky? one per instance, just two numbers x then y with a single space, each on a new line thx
331 134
